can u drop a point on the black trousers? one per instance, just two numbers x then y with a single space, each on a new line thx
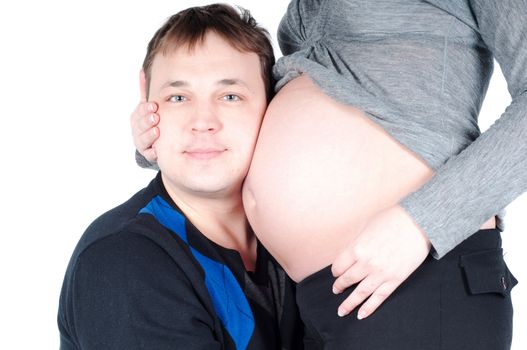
461 301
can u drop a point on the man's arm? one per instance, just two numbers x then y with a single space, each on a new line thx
126 292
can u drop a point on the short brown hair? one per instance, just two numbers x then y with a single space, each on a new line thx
237 27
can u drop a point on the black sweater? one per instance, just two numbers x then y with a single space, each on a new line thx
143 277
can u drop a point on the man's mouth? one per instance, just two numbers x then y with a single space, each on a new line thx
204 153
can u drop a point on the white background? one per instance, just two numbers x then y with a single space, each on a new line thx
68 83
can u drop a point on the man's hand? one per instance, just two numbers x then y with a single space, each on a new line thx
389 248
143 122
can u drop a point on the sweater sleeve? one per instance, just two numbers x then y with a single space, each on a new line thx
492 171
143 163
126 292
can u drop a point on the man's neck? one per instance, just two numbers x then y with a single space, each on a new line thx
221 218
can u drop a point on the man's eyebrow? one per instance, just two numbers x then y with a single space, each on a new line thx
232 81
224 82
175 83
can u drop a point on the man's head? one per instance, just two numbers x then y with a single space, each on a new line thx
188 28
211 94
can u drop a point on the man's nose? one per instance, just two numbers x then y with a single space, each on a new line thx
206 119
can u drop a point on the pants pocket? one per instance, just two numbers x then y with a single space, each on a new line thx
487 272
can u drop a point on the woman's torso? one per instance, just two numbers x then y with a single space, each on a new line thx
390 90
320 170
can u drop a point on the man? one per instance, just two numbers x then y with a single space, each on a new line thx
177 265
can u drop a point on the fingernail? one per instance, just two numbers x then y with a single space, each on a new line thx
336 291
152 120
360 315
342 312
150 107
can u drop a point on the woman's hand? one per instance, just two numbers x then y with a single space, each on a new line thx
379 259
144 122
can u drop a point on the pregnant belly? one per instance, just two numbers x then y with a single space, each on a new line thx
320 170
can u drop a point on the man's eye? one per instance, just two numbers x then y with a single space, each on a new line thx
177 98
231 97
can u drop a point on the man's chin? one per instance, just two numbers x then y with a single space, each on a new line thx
205 185
216 188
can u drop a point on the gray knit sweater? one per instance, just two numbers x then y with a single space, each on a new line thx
421 69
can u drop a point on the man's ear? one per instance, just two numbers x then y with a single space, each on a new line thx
142 85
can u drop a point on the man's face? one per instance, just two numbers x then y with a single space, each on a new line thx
211 103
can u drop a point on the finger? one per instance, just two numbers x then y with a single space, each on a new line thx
343 262
148 121
363 290
353 275
376 299
144 109
142 85
141 122
145 141
150 155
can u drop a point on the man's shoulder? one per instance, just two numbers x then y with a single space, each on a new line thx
124 242
124 265
125 228
122 217
138 251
